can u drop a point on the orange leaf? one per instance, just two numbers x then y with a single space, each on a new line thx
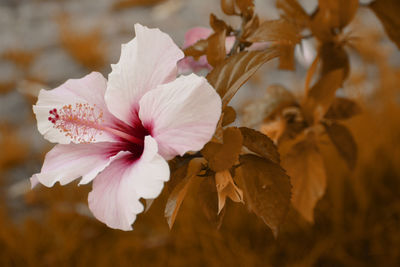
342 108
294 12
229 7
207 198
259 143
270 105
333 57
339 13
331 15
246 8
229 116
198 49
234 71
286 58
218 25
344 142
388 13
305 166
226 188
266 189
223 156
278 31
216 52
321 96
177 196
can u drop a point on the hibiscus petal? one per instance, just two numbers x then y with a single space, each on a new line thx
189 65
114 199
195 34
182 115
65 163
87 90
146 61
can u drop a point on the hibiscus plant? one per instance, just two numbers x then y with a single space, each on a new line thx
153 121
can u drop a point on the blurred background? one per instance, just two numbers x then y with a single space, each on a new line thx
45 42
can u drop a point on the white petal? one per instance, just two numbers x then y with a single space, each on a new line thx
89 89
114 199
182 115
65 163
146 61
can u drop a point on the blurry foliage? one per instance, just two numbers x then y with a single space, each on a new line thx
21 58
124 4
14 150
321 171
86 48
6 86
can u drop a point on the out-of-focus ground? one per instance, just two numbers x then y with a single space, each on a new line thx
45 42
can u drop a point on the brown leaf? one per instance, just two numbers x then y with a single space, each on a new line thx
305 166
311 71
148 203
321 95
198 49
216 51
274 129
238 7
339 13
229 7
177 196
250 27
334 57
271 104
226 187
229 116
278 31
266 188
294 127
259 143
178 169
207 198
234 71
342 108
294 12
344 142
388 13
246 8
223 156
219 25
332 15
286 58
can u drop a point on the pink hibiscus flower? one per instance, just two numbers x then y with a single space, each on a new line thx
119 133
